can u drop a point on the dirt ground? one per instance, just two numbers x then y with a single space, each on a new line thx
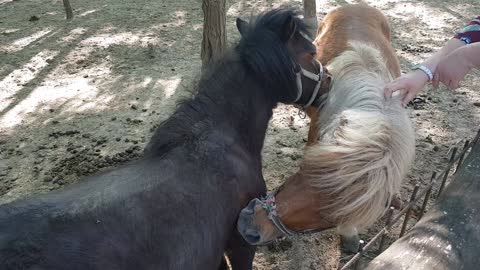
79 96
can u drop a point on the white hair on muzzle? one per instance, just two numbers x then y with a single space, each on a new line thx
366 143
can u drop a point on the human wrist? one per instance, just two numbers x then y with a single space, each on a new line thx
425 70
470 55
451 45
432 63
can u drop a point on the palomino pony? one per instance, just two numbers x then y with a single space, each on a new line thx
363 148
176 208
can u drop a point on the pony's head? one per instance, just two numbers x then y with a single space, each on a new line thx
277 48
348 177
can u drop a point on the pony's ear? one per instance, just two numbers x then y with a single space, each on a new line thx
288 29
242 26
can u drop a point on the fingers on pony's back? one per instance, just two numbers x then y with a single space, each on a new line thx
408 97
392 88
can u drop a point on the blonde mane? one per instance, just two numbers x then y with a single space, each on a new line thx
366 143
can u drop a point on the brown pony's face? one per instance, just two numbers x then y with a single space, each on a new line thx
297 207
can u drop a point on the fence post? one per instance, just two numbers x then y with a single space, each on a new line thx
447 171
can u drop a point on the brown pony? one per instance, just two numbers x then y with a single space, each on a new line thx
360 145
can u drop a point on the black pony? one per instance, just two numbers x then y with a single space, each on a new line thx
176 208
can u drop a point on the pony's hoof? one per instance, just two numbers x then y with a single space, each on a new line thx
350 243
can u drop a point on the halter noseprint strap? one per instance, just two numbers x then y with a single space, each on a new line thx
268 203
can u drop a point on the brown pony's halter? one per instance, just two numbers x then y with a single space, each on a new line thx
269 205
299 72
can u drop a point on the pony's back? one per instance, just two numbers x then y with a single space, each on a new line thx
366 143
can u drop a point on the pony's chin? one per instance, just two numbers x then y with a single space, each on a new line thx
254 226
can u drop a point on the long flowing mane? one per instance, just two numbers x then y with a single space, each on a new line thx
366 143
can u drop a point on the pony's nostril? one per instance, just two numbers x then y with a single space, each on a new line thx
249 210
244 225
251 236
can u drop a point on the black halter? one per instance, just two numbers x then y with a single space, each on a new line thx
315 98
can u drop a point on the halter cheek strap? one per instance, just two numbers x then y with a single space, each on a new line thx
299 72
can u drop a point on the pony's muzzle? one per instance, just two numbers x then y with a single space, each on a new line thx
254 225
245 223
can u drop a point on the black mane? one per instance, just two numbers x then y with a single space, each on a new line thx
259 60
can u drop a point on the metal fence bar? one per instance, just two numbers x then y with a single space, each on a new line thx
462 155
360 252
447 171
407 215
388 223
427 195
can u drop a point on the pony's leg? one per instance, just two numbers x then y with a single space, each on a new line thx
312 112
240 253
350 238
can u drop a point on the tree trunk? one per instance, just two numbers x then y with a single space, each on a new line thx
68 9
448 236
214 37
310 14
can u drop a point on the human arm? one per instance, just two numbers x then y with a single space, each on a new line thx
414 81
453 68
452 52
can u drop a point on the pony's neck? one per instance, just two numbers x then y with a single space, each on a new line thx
229 101
233 99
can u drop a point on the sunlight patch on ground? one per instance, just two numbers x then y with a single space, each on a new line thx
9 31
236 8
434 18
126 38
74 34
52 13
70 87
292 119
198 27
25 41
169 86
73 94
146 81
180 21
15 81
247 9
87 13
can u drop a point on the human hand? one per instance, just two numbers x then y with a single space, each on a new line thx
411 83
451 69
